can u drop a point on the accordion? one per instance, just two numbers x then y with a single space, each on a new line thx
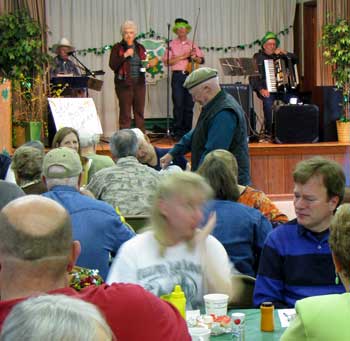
281 74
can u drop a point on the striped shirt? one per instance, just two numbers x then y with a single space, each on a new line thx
295 263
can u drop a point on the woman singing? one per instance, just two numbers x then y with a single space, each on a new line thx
127 61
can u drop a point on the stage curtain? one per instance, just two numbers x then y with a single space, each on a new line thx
328 11
95 23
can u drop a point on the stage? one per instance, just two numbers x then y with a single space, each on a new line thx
271 165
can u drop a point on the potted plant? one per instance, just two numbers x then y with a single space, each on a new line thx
23 61
336 51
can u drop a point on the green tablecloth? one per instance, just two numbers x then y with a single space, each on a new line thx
252 327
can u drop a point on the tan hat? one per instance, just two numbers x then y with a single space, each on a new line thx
63 42
65 157
199 76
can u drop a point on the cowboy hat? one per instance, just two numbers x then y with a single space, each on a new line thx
63 42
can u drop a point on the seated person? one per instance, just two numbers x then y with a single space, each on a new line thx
6 172
150 155
28 269
270 50
257 199
69 137
296 261
241 229
61 64
8 192
327 317
95 223
128 185
88 143
27 164
55 317
175 251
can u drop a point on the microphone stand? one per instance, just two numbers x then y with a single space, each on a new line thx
168 87
88 72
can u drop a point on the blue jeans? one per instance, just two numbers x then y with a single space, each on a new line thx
183 105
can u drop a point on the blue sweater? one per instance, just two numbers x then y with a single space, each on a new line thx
95 224
242 231
294 264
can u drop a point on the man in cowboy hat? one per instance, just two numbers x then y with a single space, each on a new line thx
270 50
61 64
181 53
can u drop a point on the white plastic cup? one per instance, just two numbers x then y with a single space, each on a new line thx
216 304
199 333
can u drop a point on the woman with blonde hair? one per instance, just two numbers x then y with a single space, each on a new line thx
326 317
175 251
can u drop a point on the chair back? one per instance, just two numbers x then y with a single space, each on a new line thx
137 222
243 290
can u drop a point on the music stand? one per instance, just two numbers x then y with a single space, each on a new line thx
238 66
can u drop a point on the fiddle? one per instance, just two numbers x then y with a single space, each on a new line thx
192 63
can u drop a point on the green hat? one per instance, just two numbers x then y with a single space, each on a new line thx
65 157
199 76
270 35
179 23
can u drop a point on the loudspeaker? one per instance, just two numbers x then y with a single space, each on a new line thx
332 110
294 123
244 96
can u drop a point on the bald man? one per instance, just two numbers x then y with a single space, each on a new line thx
37 251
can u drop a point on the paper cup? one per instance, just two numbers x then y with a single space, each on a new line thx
216 304
199 333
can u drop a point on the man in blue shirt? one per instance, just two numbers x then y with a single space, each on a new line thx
221 125
95 223
296 260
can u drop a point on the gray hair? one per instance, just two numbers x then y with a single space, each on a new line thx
52 182
123 143
128 24
88 139
54 317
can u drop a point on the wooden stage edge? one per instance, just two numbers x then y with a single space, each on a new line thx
272 165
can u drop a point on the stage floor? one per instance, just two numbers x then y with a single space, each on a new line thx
272 165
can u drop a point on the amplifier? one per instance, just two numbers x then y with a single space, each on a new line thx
294 123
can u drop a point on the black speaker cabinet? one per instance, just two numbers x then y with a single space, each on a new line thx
244 96
294 123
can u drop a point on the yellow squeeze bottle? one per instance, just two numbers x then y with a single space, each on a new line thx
178 299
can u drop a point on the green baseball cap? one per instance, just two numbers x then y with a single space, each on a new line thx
64 157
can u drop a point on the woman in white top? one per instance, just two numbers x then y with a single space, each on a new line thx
175 251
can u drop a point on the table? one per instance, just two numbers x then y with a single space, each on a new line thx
252 327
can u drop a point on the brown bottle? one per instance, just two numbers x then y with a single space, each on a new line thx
267 317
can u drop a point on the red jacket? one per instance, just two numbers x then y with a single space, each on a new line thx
121 65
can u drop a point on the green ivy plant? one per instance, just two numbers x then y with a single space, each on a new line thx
21 53
336 51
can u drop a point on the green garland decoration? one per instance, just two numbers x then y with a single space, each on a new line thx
152 34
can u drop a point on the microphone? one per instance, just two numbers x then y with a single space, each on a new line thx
71 52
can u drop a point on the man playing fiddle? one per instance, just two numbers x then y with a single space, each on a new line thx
270 50
181 56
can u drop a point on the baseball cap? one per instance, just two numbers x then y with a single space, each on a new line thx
199 76
65 157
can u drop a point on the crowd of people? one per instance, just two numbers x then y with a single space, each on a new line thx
206 223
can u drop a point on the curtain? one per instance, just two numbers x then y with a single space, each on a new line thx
96 23
328 11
